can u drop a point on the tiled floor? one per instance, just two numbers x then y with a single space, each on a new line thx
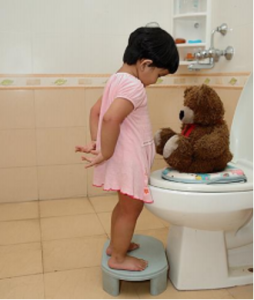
52 249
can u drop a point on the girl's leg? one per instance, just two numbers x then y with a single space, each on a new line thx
133 246
128 211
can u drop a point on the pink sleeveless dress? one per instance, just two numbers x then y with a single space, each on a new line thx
128 169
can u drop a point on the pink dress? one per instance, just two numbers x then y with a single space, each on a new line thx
128 169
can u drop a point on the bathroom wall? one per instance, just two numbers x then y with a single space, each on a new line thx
54 62
239 17
65 36
89 36
40 126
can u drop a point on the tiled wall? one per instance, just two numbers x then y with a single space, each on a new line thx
238 14
64 36
90 36
40 126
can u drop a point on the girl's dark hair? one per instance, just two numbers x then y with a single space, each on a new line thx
152 43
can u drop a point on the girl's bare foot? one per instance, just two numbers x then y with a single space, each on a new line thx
133 246
128 263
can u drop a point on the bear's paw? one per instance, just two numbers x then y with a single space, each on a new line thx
157 138
170 146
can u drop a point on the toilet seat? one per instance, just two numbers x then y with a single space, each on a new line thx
157 181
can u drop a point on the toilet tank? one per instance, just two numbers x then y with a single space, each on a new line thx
241 134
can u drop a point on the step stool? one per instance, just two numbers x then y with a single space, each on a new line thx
151 250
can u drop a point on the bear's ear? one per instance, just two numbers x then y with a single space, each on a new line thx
187 90
205 88
204 93
210 104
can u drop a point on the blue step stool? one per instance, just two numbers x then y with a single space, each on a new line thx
151 250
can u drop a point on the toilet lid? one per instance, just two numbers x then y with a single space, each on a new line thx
157 181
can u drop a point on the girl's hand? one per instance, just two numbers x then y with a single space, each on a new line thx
86 149
93 161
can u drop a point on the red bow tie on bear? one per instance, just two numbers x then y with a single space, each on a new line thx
188 129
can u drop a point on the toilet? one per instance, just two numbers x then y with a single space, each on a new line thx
210 239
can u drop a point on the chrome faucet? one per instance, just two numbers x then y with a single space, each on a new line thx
212 53
200 66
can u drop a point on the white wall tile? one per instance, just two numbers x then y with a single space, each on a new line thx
57 53
63 36
15 16
15 53
238 15
56 36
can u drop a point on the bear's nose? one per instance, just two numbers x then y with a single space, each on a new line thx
181 114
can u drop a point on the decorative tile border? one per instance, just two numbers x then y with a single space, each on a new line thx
40 81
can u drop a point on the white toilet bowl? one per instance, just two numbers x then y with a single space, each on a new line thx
211 231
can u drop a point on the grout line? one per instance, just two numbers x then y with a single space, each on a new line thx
227 289
19 244
41 242
36 148
73 269
71 215
42 256
95 236
108 236
17 276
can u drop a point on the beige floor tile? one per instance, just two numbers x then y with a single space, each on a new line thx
146 221
142 289
161 234
105 219
66 207
72 253
25 287
18 260
19 232
71 227
165 223
19 211
104 203
82 284
242 292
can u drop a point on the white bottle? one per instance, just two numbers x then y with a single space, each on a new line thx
195 5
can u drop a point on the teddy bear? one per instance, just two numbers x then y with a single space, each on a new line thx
203 144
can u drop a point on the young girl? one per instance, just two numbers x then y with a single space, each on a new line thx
122 139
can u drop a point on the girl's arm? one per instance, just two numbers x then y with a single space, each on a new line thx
115 115
93 121
117 112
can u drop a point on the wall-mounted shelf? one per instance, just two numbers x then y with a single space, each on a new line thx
186 62
190 15
191 21
187 45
